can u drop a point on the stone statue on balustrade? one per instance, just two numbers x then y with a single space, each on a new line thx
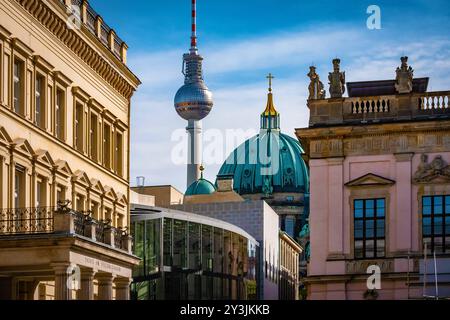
337 80
316 89
404 79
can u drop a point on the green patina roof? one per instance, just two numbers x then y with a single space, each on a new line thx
201 186
291 175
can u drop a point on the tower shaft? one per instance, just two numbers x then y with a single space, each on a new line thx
194 130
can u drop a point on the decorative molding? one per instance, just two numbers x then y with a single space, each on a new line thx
62 167
438 171
370 179
48 18
380 139
403 157
360 266
44 158
82 178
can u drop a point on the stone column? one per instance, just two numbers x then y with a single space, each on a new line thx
105 290
86 291
122 288
62 291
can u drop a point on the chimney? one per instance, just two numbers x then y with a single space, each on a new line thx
140 181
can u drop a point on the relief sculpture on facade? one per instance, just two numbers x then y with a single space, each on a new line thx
437 171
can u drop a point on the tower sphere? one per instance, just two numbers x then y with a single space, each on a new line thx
193 101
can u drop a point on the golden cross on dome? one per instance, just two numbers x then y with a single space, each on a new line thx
270 77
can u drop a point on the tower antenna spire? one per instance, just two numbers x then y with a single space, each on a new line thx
194 26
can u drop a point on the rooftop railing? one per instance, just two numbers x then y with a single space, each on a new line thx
95 25
62 219
375 109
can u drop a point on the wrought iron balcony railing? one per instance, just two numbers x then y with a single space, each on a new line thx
26 220
62 219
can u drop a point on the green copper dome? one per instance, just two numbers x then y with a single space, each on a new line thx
201 186
251 175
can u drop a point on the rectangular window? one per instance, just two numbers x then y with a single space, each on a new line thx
179 243
119 154
436 223
40 193
289 225
369 228
79 113
18 87
60 114
167 242
19 187
39 115
107 146
94 137
80 203
61 194
95 210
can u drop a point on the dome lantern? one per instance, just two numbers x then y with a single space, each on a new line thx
270 118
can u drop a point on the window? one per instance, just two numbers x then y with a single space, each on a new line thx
60 193
289 225
108 214
18 87
120 221
119 154
436 223
39 113
80 203
40 193
60 114
107 146
79 127
167 242
95 210
94 137
369 228
179 243
19 187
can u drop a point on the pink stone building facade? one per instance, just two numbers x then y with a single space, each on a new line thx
380 190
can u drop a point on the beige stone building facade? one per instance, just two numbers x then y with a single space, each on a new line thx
65 93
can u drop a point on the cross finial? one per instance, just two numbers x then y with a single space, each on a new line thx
270 77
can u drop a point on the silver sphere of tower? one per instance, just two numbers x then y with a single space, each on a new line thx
193 101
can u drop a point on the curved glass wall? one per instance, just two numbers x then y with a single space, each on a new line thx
185 260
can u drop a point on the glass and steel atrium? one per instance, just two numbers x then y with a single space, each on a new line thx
191 257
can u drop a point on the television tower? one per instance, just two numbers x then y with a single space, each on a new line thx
193 102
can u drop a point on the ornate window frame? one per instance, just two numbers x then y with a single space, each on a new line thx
370 186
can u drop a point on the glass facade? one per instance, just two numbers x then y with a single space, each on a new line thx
187 260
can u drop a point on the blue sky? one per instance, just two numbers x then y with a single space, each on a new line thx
242 41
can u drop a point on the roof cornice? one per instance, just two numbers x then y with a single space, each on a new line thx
122 80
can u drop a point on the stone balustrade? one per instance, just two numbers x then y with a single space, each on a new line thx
96 26
376 109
